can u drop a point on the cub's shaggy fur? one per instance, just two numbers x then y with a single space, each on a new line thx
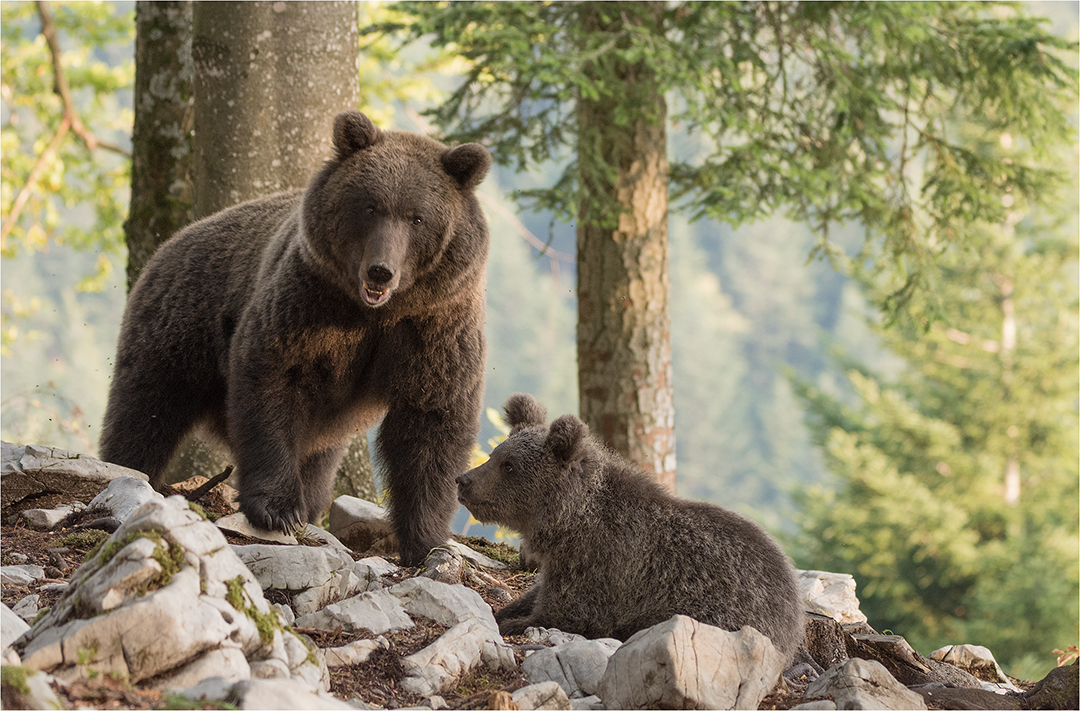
617 553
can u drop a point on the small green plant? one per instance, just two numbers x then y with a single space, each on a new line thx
15 677
91 538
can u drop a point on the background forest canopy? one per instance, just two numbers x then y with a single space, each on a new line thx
873 332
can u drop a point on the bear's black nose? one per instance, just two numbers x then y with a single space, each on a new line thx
464 480
379 274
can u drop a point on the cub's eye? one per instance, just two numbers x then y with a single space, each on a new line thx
370 209
508 467
418 220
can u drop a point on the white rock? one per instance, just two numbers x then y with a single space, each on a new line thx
21 575
830 594
446 604
361 525
545 695
226 663
123 496
979 661
552 636
214 688
27 608
371 570
353 653
11 627
48 519
291 567
377 612
282 694
864 684
152 623
30 470
475 557
285 613
588 703
682 663
238 523
460 649
311 531
578 667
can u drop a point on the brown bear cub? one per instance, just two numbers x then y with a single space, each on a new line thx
290 324
617 553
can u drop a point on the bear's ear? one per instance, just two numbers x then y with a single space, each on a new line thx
353 131
523 411
567 438
467 164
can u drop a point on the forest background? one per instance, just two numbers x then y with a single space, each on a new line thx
877 451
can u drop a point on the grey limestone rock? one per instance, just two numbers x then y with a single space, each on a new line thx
31 470
830 594
165 599
48 519
577 667
123 496
11 626
377 611
864 684
682 663
460 649
544 695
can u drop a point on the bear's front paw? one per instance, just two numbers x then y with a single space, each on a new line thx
514 626
274 513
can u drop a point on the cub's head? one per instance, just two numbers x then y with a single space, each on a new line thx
532 469
384 210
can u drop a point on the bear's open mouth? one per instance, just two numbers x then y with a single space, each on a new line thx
375 295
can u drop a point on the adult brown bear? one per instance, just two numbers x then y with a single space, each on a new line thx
289 324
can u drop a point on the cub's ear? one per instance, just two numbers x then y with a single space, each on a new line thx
523 411
467 164
353 131
566 439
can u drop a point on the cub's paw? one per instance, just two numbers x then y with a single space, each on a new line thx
274 513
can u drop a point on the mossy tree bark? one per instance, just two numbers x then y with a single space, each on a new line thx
161 135
623 333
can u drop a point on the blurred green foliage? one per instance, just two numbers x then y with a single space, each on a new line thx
920 510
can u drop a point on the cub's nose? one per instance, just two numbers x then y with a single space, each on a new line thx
464 480
379 274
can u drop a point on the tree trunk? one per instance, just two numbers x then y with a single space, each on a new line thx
269 79
161 136
623 334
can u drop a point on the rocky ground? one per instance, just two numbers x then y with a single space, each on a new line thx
329 620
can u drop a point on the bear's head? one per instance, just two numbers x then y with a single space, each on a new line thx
535 467
392 208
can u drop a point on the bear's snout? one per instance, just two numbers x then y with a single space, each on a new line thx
379 274
464 483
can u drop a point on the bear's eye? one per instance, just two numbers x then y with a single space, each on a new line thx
508 467
418 220
370 209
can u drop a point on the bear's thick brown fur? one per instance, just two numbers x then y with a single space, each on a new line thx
288 325
617 553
